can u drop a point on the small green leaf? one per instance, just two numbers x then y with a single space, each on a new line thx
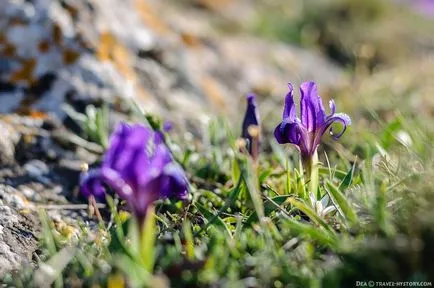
311 214
137 275
236 172
337 173
189 242
288 179
270 205
341 203
264 175
251 181
212 219
309 231
346 182
387 138
301 186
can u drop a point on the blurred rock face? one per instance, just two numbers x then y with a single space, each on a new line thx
89 51
57 50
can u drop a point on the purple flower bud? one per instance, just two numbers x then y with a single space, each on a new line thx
306 132
167 126
139 168
251 127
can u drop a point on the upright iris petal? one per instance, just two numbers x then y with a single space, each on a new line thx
251 126
306 132
139 168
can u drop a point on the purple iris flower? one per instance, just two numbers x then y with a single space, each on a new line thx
139 168
306 132
251 129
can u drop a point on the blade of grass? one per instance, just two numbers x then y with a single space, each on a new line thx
212 219
189 242
346 182
311 214
341 203
309 231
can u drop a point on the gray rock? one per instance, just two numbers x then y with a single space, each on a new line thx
17 239
9 138
28 183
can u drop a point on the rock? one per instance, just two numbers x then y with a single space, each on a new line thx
40 173
57 50
85 51
9 138
17 239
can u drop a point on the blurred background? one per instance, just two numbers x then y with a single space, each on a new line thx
186 59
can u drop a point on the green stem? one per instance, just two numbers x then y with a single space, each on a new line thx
311 168
147 235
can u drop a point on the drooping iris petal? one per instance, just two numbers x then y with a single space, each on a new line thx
288 132
343 118
294 133
175 182
138 167
332 106
92 183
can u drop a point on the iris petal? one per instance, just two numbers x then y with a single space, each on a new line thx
121 131
288 132
312 112
339 117
289 110
91 185
332 106
176 182
307 131
344 119
136 167
107 176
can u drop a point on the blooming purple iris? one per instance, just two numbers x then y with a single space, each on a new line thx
306 132
251 129
139 168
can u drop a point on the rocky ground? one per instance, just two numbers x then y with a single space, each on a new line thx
181 60
39 171
170 58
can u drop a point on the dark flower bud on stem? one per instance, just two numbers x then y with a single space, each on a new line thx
251 130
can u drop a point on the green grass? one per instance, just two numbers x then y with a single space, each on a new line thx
248 225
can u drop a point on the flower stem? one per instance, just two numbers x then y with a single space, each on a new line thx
147 235
93 209
310 165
